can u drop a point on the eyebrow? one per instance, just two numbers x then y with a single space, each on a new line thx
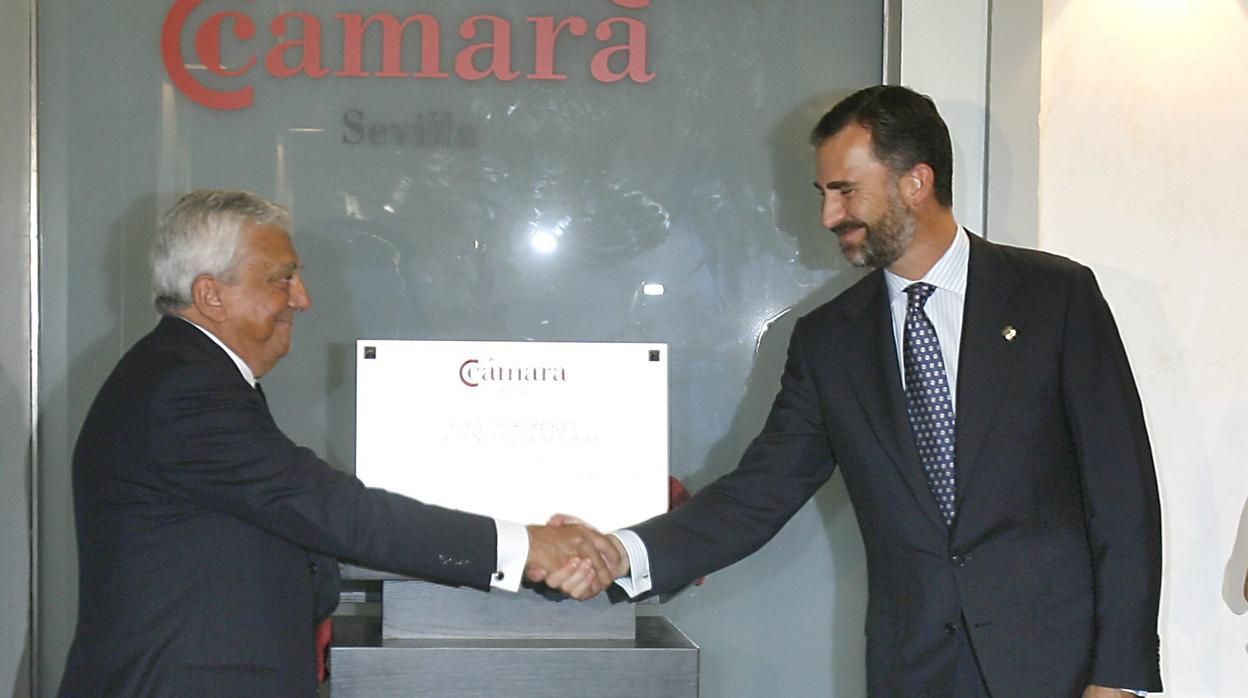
289 266
836 184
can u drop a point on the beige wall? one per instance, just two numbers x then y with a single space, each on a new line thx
1143 140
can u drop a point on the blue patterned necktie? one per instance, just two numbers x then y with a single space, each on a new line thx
928 403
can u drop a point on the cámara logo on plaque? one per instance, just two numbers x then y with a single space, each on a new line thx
482 45
473 373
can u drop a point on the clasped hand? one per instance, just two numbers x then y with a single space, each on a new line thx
568 555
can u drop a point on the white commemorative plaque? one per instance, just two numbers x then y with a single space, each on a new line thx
516 430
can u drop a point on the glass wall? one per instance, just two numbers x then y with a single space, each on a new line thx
515 169
15 349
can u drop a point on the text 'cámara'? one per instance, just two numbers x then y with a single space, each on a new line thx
474 372
411 46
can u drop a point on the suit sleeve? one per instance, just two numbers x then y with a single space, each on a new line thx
215 444
737 514
326 586
1121 503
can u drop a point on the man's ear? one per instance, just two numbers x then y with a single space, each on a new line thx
917 184
206 297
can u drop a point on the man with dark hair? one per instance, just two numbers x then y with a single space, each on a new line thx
979 403
905 130
208 540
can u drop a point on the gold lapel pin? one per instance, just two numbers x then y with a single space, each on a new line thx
1009 333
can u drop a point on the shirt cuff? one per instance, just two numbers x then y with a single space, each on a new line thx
638 580
513 552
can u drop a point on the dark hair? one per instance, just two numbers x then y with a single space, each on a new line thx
905 130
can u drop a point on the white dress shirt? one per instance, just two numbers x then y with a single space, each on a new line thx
513 538
943 307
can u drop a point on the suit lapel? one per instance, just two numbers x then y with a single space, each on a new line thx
986 355
871 360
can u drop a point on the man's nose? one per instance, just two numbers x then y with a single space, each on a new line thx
833 212
300 299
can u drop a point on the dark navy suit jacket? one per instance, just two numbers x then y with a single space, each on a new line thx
1054 558
207 539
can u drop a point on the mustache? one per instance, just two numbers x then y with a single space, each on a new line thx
846 226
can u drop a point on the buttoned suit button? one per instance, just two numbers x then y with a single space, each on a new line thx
312 568
951 629
960 560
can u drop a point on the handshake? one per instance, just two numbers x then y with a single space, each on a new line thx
574 558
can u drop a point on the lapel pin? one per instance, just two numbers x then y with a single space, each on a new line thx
1009 333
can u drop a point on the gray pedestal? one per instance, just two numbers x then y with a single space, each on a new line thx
463 643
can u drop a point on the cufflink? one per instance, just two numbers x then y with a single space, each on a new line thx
1009 333
499 575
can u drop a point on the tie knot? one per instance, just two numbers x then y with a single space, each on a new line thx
919 292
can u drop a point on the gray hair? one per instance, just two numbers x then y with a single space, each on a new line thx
203 234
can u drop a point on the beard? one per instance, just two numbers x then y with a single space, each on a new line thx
884 240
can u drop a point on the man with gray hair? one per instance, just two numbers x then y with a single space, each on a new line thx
208 540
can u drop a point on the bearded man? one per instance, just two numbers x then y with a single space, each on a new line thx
979 403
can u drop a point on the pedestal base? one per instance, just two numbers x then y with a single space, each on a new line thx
660 662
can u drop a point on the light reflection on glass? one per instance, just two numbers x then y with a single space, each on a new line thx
544 241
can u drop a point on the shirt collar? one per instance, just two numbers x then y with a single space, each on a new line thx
948 273
243 368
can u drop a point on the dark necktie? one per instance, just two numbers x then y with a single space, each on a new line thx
260 392
928 402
